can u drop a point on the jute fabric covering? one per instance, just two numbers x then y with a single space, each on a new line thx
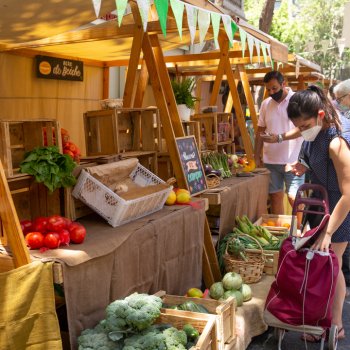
28 317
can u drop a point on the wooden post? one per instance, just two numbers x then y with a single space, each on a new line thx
11 225
248 95
105 85
141 86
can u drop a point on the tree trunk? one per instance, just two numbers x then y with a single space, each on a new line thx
265 20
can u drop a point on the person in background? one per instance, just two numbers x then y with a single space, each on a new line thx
342 102
331 92
326 154
279 140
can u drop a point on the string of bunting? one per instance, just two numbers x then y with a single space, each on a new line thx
196 17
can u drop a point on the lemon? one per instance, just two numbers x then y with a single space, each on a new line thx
194 293
171 198
183 197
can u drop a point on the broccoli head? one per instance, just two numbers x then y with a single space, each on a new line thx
175 339
150 339
91 340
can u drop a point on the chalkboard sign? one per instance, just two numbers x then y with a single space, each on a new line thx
191 164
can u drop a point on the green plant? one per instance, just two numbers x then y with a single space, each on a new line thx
183 92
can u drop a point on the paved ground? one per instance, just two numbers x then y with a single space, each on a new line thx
292 341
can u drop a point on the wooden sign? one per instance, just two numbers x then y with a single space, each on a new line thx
191 164
58 68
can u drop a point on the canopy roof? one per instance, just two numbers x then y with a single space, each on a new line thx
50 27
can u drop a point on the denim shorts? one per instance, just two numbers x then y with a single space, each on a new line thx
279 179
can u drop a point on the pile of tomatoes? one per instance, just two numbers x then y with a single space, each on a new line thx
52 232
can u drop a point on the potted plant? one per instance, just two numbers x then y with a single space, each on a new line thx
183 96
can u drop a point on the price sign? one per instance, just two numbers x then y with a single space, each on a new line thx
191 164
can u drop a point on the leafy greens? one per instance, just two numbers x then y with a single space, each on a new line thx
49 166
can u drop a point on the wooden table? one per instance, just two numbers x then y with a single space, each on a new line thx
238 196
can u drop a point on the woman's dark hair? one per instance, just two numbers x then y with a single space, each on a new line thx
307 103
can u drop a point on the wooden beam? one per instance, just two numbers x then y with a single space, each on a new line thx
248 95
159 95
301 84
141 86
134 58
167 88
11 224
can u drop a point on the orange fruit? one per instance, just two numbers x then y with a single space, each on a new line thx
270 223
264 224
286 225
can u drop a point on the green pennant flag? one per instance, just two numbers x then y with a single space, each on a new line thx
178 11
257 45
243 36
263 49
162 9
203 24
215 22
234 28
121 7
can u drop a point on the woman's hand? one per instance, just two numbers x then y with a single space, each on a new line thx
323 242
296 168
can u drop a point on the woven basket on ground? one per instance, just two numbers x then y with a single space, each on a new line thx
250 270
212 180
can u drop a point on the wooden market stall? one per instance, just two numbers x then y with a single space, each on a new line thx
100 47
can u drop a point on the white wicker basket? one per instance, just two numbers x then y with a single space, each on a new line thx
116 210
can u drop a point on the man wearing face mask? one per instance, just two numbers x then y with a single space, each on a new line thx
342 98
279 141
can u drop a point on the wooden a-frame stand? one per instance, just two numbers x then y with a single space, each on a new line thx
11 226
154 69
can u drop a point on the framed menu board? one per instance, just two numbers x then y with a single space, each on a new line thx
191 164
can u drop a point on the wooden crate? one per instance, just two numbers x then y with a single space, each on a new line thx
223 310
204 323
33 199
19 137
279 222
120 130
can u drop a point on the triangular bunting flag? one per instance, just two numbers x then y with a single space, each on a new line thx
191 20
97 7
269 51
263 49
162 9
234 28
215 22
228 29
144 6
203 24
243 36
250 40
257 45
121 7
178 11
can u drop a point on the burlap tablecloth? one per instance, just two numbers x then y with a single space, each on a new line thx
160 251
243 196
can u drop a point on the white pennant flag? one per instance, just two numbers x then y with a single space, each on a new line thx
250 40
178 11
257 45
243 36
97 7
228 29
263 49
203 24
144 6
191 20
269 51
121 7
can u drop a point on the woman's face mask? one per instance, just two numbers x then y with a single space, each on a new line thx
311 133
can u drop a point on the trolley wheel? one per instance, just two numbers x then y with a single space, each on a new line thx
333 338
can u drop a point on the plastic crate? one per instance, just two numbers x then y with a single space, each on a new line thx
116 210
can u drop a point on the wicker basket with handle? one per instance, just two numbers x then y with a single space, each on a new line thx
213 180
250 270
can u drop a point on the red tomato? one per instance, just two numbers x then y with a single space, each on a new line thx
40 224
67 151
56 223
72 147
52 240
77 233
64 237
26 226
35 240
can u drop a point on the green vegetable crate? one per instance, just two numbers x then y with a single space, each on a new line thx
224 312
204 323
19 137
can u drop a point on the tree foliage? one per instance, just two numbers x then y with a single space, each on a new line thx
310 28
